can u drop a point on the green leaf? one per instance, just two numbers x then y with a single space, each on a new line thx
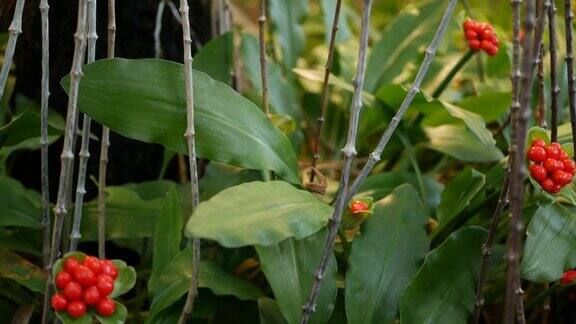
23 132
550 244
388 252
538 132
328 11
18 205
118 317
276 211
218 177
318 76
126 279
459 142
286 17
176 277
229 128
458 194
269 311
66 319
25 273
289 267
443 289
215 58
380 185
490 105
167 236
401 41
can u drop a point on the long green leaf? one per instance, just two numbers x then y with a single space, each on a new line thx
443 289
25 273
19 206
388 252
258 213
286 17
460 143
229 128
289 267
215 58
23 132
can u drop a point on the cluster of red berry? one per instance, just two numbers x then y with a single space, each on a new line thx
552 168
481 36
568 278
86 283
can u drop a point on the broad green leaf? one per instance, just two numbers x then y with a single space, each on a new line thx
286 17
318 76
401 41
328 11
67 319
218 177
215 58
460 143
443 289
490 105
126 279
18 205
458 194
229 128
276 211
118 317
388 252
289 267
175 281
380 185
550 244
167 236
269 311
23 132
25 273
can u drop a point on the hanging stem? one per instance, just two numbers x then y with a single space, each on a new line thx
554 89
349 152
15 30
430 52
67 157
190 138
459 65
45 85
263 65
85 146
325 95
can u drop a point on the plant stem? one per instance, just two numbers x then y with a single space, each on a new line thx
324 100
569 16
430 52
349 152
263 65
540 112
105 142
555 89
46 218
67 157
446 82
190 139
158 29
85 146
543 295
15 30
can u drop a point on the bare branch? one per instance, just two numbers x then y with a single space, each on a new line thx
263 64
15 30
554 88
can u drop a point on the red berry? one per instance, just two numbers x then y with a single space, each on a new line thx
537 172
105 284
71 264
492 51
62 279
92 296
568 277
76 309
474 44
109 268
358 206
556 188
486 45
470 35
536 154
552 152
73 291
94 264
106 307
85 276
569 166
562 178
552 165
539 142
469 24
548 185
58 302
556 145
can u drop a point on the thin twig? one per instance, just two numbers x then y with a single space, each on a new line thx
457 67
45 85
15 30
325 89
105 142
158 29
349 152
67 157
569 16
430 52
190 139
518 170
263 64
540 107
85 146
554 88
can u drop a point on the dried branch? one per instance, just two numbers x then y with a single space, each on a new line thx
540 107
325 95
430 52
15 30
554 89
349 152
190 139
263 65
569 16
67 157
45 85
